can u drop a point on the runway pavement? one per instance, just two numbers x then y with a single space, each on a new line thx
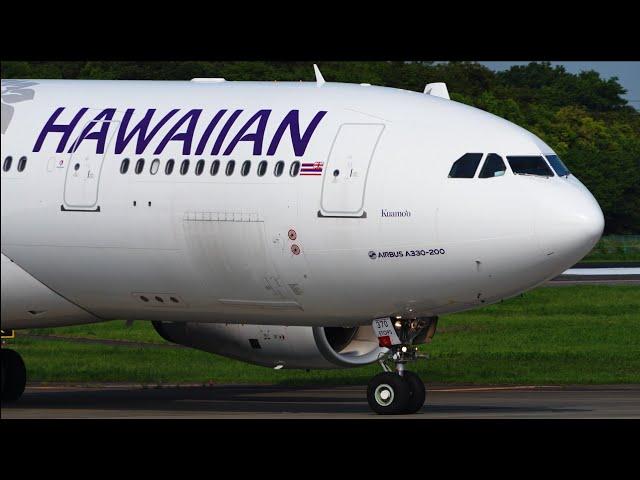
286 402
609 273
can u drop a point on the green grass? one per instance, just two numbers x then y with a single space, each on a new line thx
553 335
616 248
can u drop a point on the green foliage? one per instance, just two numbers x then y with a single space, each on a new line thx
616 248
582 117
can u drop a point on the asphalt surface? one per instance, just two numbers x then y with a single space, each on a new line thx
567 280
605 273
263 402
607 265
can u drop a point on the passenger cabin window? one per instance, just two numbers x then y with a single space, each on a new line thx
7 164
22 163
262 168
246 168
493 166
231 165
215 166
155 166
558 165
139 166
279 168
199 167
529 165
465 166
294 169
124 166
168 168
184 167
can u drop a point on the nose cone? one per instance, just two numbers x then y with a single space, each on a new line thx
569 223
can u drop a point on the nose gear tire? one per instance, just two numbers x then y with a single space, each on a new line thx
417 392
388 394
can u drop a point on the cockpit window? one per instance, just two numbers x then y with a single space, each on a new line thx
465 166
529 165
557 164
493 166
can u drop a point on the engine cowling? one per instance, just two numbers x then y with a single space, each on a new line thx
273 345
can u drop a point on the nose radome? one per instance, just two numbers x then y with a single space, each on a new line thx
588 221
569 224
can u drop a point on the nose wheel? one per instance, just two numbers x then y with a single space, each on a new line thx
389 393
397 390
417 392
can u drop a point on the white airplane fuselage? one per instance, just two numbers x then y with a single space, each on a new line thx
374 228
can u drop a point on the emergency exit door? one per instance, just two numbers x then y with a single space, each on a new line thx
345 179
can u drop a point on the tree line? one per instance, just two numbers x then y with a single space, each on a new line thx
583 117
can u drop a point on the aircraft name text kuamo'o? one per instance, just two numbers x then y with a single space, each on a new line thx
275 222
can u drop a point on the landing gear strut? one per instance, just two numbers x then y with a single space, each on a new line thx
397 390
14 375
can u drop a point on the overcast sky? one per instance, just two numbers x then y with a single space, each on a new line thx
628 73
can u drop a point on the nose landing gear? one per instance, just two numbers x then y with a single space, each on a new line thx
400 391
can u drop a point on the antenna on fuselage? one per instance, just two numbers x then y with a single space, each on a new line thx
438 89
319 78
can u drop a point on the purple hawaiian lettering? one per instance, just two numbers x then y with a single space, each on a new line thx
257 138
208 131
52 127
123 138
223 133
292 123
183 130
185 137
100 137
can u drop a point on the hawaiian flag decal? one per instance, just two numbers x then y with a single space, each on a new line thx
312 168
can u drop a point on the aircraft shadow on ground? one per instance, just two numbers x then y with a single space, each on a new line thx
260 400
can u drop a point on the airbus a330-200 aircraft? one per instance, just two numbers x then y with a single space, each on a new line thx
303 225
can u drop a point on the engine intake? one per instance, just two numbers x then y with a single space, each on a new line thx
273 345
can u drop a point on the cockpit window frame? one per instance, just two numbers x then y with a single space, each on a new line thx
461 157
508 158
484 163
562 164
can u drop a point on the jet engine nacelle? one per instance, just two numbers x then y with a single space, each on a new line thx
273 345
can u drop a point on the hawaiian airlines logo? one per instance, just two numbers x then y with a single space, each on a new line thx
194 130
14 91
